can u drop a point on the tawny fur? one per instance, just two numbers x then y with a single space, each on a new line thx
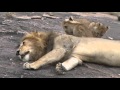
45 48
84 27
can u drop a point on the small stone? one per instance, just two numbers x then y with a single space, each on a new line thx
21 76
119 74
110 38
10 59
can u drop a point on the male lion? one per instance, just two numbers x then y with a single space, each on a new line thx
84 28
48 47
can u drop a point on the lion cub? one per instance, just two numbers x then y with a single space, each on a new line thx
83 27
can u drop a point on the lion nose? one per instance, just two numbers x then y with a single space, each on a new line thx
18 52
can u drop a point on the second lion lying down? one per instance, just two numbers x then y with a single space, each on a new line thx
48 47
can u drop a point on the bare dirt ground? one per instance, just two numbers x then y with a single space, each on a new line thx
12 29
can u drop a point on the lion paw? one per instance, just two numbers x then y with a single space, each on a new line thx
26 65
59 69
30 66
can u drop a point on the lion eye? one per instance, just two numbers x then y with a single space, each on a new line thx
65 27
23 43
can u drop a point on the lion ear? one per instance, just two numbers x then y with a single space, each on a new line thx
71 18
43 36
98 23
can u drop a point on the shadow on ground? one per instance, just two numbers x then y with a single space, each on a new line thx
11 31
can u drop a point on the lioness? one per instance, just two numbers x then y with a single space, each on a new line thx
48 47
84 28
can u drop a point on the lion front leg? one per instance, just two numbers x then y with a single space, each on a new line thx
69 64
52 56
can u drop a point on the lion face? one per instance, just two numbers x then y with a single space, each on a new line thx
98 29
29 50
68 28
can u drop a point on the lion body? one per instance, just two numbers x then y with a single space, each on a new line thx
71 50
84 28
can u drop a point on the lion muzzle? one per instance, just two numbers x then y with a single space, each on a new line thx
24 57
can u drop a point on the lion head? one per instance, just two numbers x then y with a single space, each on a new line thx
32 46
69 25
98 29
